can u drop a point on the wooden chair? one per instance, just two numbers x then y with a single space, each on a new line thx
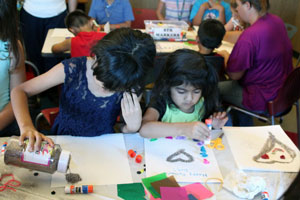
288 95
141 14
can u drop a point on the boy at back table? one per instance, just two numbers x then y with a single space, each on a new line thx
82 26
210 36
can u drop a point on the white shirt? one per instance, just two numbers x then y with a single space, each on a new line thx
45 8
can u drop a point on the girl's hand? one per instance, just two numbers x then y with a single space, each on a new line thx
219 119
198 130
35 139
131 112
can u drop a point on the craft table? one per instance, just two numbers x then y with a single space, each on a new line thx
58 35
38 187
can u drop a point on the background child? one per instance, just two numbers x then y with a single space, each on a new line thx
93 88
235 23
118 13
210 36
210 9
12 67
174 9
235 26
185 94
81 25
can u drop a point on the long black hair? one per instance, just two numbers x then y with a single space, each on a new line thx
9 26
186 66
123 58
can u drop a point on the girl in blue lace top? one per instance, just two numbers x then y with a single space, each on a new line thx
95 89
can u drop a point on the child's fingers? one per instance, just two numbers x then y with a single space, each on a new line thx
38 142
135 100
21 139
49 140
125 101
31 142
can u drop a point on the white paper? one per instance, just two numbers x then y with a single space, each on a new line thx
99 160
61 32
157 152
247 142
167 47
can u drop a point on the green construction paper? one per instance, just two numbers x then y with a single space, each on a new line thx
147 183
133 191
168 182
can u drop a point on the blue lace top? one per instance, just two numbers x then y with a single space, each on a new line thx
81 113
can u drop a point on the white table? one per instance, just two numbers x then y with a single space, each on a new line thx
58 35
38 187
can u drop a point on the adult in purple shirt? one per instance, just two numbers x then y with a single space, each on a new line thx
261 59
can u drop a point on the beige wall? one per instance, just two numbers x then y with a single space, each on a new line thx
288 10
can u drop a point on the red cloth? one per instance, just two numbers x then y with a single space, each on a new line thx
83 41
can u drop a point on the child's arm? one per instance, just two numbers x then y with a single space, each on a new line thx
62 46
151 128
229 25
221 11
198 18
225 55
159 10
19 102
131 112
17 76
232 36
219 119
126 24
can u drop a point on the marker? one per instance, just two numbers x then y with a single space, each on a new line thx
3 147
84 189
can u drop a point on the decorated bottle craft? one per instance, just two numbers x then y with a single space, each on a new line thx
48 159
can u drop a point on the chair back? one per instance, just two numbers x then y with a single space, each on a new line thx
141 14
288 94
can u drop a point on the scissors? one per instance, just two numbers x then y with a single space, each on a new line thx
217 143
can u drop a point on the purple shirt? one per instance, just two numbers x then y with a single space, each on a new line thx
265 52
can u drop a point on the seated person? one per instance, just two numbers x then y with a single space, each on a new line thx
210 9
260 60
184 95
12 66
117 12
235 26
210 36
81 25
95 89
174 11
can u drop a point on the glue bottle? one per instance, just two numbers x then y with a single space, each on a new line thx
208 123
48 159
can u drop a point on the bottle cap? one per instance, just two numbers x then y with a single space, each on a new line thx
208 121
63 162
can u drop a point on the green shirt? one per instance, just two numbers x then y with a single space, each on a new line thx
173 114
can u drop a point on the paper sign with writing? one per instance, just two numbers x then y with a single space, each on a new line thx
181 159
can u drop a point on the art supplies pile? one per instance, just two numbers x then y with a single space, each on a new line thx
187 160
161 187
264 148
